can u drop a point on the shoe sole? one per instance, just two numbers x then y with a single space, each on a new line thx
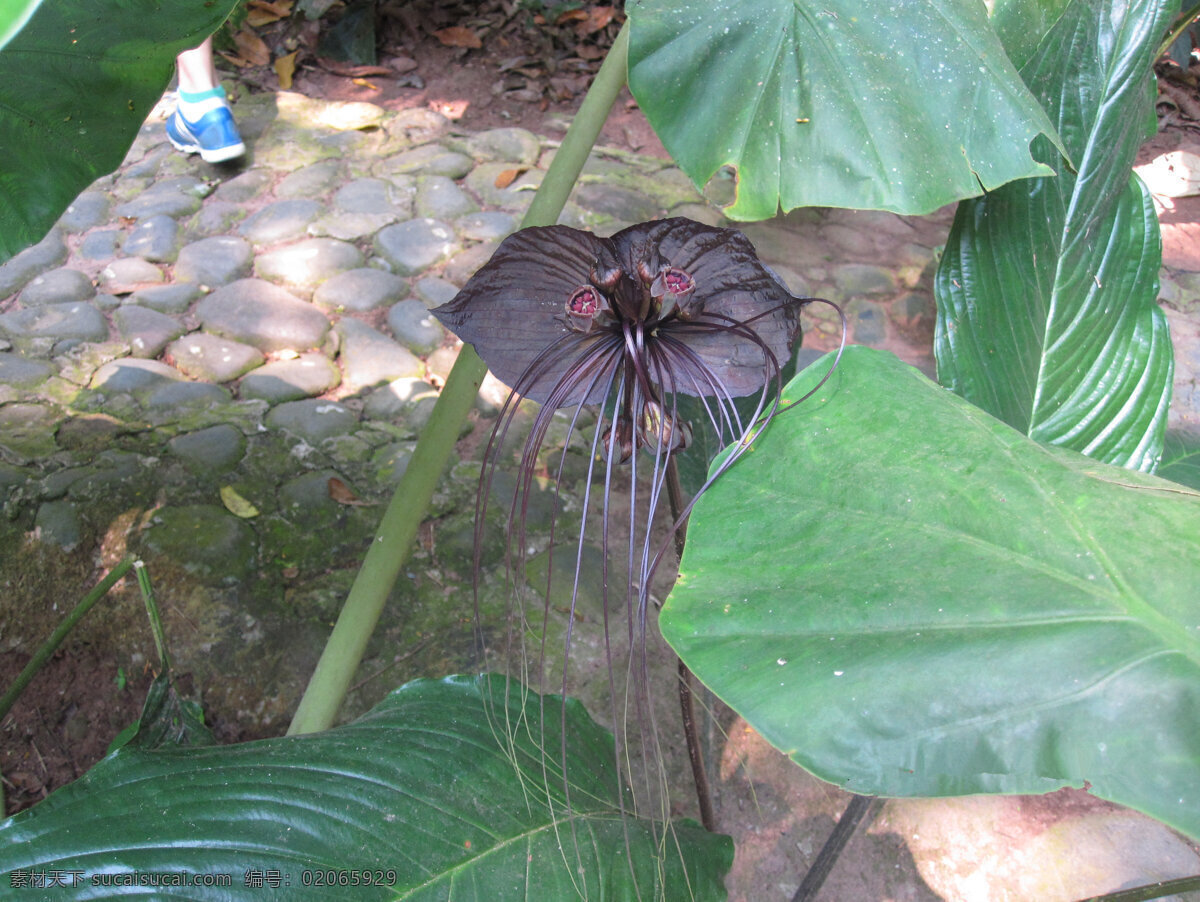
216 155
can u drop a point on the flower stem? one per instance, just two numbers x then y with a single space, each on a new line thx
398 529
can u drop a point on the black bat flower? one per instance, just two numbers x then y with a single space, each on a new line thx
630 323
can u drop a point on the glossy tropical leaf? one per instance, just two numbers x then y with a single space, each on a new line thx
1181 459
902 106
910 598
419 794
1047 314
76 83
13 16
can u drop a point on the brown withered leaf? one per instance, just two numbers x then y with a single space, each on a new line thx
261 12
251 48
508 176
343 494
285 68
363 83
597 18
457 36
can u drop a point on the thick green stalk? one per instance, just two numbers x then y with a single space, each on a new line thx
48 647
398 529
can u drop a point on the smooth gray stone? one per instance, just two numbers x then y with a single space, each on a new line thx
440 198
309 495
263 315
146 330
413 246
312 420
868 322
622 204
308 263
280 221
370 358
429 159
57 522
153 239
100 245
18 372
398 398
128 271
173 395
215 448
290 380
46 254
214 261
87 211
243 187
58 286
206 540
360 290
510 145
214 359
215 218
167 298
854 279
351 226
369 195
129 375
491 225
27 432
159 203
311 180
518 195
435 291
415 327
459 270
79 320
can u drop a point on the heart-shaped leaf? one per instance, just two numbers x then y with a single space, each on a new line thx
911 599
419 799
902 106
13 16
1047 314
76 84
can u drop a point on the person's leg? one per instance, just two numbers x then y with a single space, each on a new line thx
203 122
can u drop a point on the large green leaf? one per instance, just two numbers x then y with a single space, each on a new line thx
76 83
13 16
912 599
902 106
1046 292
420 790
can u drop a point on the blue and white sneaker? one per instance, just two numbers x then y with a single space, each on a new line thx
214 135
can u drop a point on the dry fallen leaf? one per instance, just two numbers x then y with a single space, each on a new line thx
263 13
457 36
285 68
363 83
350 70
236 504
508 176
597 18
343 494
251 48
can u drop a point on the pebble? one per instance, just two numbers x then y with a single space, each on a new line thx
214 261
19 372
173 396
307 264
159 203
243 187
868 322
439 197
46 254
214 359
27 432
398 398
435 291
459 270
510 145
129 273
428 159
280 221
373 196
855 279
129 375
101 244
166 298
218 447
147 331
263 315
153 239
58 286
360 290
87 211
312 420
289 380
79 320
623 205
516 195
415 327
206 540
57 522
487 226
310 180
413 246
370 358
